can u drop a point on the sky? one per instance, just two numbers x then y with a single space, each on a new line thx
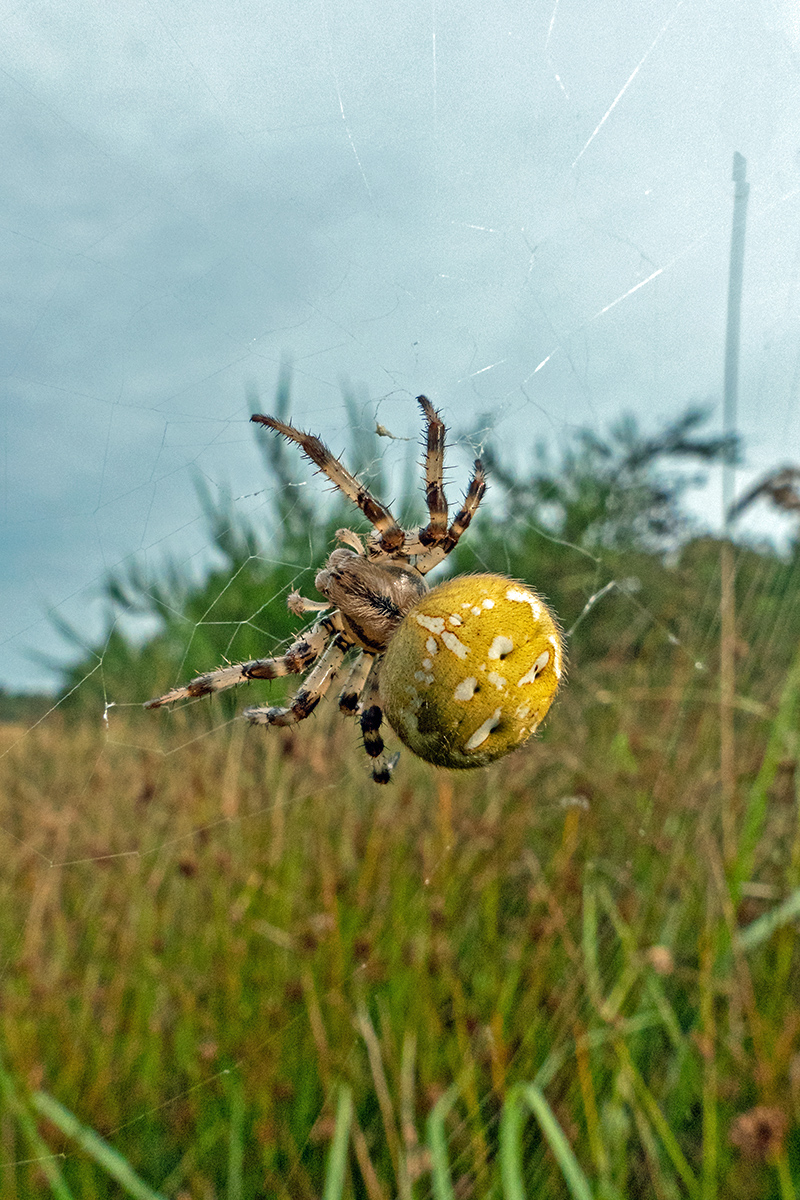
521 209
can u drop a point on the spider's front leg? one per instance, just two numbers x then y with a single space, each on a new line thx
312 691
297 659
434 541
429 555
435 499
390 535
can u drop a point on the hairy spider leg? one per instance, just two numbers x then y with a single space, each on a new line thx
300 655
350 694
312 691
428 557
475 493
391 535
371 721
436 530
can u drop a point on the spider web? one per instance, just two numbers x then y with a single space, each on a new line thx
524 213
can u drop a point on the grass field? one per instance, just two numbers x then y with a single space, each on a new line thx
256 974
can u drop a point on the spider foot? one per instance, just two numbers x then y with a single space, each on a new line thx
382 769
203 685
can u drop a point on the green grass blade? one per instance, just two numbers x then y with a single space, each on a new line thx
759 931
511 1146
511 1139
437 1144
337 1158
45 1158
785 1177
236 1142
659 1123
590 943
786 720
104 1155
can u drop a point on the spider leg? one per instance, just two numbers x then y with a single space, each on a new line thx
391 535
365 674
348 538
354 684
475 493
299 605
297 659
436 530
371 721
312 691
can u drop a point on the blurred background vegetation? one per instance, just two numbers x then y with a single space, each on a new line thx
602 513
210 938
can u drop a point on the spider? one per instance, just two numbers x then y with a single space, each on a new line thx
465 672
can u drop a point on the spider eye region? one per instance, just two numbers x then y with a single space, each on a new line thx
472 670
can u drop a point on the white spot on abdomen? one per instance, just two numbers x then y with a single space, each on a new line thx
434 624
515 593
466 688
556 656
482 732
453 644
536 669
500 647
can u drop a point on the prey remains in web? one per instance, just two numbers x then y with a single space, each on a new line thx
464 672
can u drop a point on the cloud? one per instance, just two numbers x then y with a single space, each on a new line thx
191 194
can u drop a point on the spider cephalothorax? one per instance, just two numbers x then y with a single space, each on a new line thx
501 649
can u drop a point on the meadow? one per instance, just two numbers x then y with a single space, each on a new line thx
232 966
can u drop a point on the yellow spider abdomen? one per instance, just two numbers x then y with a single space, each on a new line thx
471 670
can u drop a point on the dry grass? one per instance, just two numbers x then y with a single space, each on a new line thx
206 932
